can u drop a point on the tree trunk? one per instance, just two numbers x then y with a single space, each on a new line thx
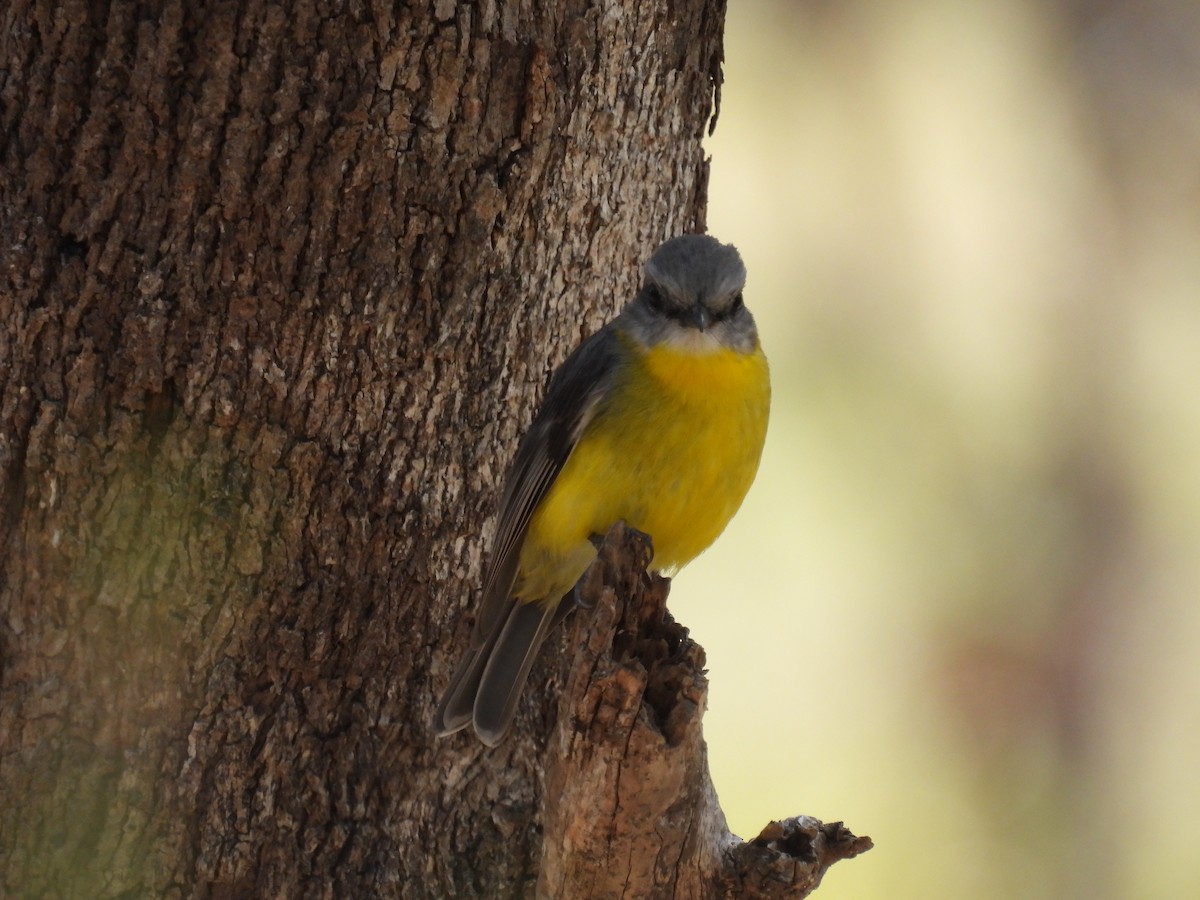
280 287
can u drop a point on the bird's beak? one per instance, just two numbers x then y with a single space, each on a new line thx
699 317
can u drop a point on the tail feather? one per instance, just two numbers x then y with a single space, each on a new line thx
507 668
487 683
455 711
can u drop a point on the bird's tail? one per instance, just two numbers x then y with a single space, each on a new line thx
508 666
454 712
487 685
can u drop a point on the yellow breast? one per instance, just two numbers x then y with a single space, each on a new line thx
672 451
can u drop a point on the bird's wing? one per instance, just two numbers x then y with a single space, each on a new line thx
575 393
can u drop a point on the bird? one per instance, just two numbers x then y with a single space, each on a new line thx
658 419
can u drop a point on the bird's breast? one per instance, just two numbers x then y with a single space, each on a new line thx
723 379
672 450
692 428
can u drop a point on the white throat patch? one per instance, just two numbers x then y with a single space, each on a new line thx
691 341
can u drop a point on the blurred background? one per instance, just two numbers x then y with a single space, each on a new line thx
960 609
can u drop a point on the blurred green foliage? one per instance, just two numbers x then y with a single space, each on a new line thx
961 607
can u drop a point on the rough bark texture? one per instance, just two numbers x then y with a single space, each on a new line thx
629 808
280 287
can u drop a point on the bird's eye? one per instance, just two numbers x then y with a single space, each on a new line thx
655 298
738 303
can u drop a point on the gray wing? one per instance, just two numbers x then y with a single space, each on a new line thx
507 635
575 393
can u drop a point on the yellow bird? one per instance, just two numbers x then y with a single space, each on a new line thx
658 419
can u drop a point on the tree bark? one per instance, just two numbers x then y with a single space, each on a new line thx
281 285
629 809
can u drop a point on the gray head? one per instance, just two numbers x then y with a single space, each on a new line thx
691 298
